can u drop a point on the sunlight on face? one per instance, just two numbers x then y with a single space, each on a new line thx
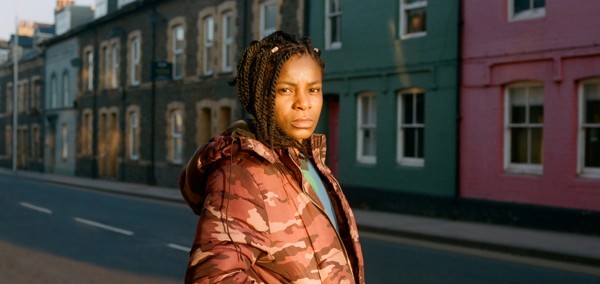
298 96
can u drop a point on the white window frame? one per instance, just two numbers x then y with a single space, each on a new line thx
114 62
176 137
371 126
591 172
329 17
402 126
509 166
134 135
178 52
208 41
404 8
531 13
135 61
227 41
263 29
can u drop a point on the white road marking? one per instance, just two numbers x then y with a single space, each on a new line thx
178 247
103 226
36 208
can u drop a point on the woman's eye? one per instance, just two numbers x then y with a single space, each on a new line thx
285 91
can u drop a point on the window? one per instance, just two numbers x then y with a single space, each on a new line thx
178 49
176 137
268 18
227 42
411 127
35 93
133 140
413 18
54 91
526 9
333 24
367 128
105 68
86 133
65 145
9 97
135 68
209 41
89 70
35 142
589 130
65 89
224 118
205 125
114 63
8 138
524 128
20 97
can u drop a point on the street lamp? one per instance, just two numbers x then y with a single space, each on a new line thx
15 88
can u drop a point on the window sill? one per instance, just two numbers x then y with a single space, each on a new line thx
367 160
413 35
334 46
591 173
526 169
411 162
528 15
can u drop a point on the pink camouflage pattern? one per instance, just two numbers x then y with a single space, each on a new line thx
260 222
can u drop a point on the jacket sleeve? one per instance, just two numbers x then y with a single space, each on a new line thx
232 230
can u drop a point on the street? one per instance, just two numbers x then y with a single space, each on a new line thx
121 233
52 233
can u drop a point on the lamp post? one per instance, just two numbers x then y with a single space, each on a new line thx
15 88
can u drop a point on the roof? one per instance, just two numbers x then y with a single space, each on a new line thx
46 28
24 41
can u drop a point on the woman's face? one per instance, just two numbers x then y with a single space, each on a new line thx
298 96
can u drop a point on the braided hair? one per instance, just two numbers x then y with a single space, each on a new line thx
257 74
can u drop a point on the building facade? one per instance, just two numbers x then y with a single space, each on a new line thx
154 82
27 152
391 95
530 103
61 77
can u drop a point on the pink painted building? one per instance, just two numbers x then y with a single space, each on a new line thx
530 102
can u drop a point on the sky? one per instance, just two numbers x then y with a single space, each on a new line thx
32 10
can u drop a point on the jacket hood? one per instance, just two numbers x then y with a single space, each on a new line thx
238 137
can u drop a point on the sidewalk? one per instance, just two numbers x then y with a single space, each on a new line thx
554 246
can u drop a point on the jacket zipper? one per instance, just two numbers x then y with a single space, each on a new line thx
323 211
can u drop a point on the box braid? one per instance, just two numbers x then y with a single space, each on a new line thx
257 74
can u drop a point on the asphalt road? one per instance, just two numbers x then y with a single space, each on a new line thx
52 233
131 235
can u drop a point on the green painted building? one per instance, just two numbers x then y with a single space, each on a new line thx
391 93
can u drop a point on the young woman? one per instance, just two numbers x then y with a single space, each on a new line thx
270 209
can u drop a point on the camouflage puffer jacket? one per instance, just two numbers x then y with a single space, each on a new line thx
260 222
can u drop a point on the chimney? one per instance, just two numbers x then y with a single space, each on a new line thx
60 4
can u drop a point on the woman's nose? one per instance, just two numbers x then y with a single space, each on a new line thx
302 101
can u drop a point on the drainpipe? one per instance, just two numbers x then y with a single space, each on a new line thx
458 94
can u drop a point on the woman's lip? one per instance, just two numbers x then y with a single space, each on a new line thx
302 123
